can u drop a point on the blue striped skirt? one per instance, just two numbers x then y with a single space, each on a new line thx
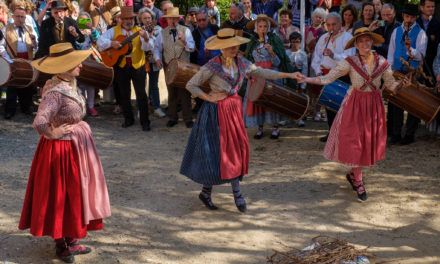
201 161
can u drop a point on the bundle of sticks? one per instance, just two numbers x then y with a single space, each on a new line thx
325 250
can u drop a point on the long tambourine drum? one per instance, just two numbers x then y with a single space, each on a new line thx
5 71
333 94
178 73
92 73
416 101
18 74
278 98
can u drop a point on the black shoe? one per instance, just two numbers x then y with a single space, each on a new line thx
407 140
275 135
242 207
361 195
259 134
127 123
146 127
324 139
395 140
207 202
8 115
68 258
350 180
189 124
171 123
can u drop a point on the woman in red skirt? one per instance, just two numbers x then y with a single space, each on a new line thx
66 193
358 135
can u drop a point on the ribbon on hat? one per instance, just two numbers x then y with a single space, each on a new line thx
56 54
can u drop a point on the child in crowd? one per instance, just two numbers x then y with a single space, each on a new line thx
298 59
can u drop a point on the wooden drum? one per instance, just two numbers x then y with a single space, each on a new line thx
22 74
415 100
92 73
95 74
278 98
178 73
5 71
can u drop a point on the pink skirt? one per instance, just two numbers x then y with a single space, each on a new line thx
358 135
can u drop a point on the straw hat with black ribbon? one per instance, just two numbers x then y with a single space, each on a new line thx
115 11
127 12
363 31
251 25
225 38
172 12
62 58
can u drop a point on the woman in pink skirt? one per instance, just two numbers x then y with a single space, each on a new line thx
358 135
66 195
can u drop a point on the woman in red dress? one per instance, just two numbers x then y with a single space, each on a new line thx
66 193
358 135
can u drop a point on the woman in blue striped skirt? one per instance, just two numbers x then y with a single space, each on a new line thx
218 147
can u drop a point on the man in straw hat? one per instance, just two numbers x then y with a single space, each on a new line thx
408 42
358 135
131 68
218 147
175 42
20 42
329 51
66 194
58 28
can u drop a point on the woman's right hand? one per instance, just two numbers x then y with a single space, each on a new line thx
59 132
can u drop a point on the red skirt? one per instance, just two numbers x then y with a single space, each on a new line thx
359 133
234 143
53 203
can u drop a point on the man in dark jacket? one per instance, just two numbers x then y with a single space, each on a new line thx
201 33
58 28
388 14
431 27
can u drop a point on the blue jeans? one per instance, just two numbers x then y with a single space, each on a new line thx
153 87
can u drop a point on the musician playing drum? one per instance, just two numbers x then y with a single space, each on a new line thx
408 42
358 135
131 67
20 42
329 51
218 147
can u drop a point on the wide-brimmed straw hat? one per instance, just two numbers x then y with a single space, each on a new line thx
225 38
251 25
377 39
172 12
62 57
115 11
127 12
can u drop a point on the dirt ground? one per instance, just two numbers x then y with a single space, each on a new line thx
292 192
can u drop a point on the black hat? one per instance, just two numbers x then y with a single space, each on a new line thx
411 9
58 5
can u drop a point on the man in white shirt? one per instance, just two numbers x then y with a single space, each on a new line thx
408 42
175 42
20 41
131 67
329 50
